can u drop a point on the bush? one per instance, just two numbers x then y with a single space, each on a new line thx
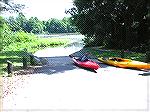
148 52
25 37
148 56
1 32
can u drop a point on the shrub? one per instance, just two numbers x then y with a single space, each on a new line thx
25 37
148 52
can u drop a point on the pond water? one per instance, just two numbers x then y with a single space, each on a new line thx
76 44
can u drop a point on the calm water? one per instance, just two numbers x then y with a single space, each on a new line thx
76 40
75 45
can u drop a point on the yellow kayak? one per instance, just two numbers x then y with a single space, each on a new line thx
124 63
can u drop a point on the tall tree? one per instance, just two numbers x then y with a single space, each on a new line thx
18 23
55 26
111 22
34 25
69 28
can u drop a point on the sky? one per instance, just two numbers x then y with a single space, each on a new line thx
45 9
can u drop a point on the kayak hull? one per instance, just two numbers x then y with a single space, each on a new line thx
89 64
124 63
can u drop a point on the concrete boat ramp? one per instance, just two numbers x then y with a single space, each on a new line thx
64 87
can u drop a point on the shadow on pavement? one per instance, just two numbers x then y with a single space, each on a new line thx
61 64
49 70
58 64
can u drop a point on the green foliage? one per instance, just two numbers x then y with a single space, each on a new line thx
12 41
88 42
13 45
34 25
1 32
22 40
101 52
12 38
59 26
119 24
148 52
8 36
23 37
148 56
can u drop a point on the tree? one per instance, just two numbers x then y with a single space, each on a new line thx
35 26
55 26
8 5
113 23
70 28
18 23
92 18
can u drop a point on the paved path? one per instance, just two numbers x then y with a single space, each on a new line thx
65 87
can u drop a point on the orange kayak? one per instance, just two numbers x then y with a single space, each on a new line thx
124 63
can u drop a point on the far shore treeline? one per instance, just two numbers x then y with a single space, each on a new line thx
36 26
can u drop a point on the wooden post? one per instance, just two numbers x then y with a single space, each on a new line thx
9 67
24 60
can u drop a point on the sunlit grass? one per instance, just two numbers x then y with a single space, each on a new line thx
16 51
33 46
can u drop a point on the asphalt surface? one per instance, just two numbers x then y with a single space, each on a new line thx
62 86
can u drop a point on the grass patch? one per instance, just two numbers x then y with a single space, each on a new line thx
33 46
116 53
16 51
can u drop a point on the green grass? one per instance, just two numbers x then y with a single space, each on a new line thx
35 45
16 51
116 53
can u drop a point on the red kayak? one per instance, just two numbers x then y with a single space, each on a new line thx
86 64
